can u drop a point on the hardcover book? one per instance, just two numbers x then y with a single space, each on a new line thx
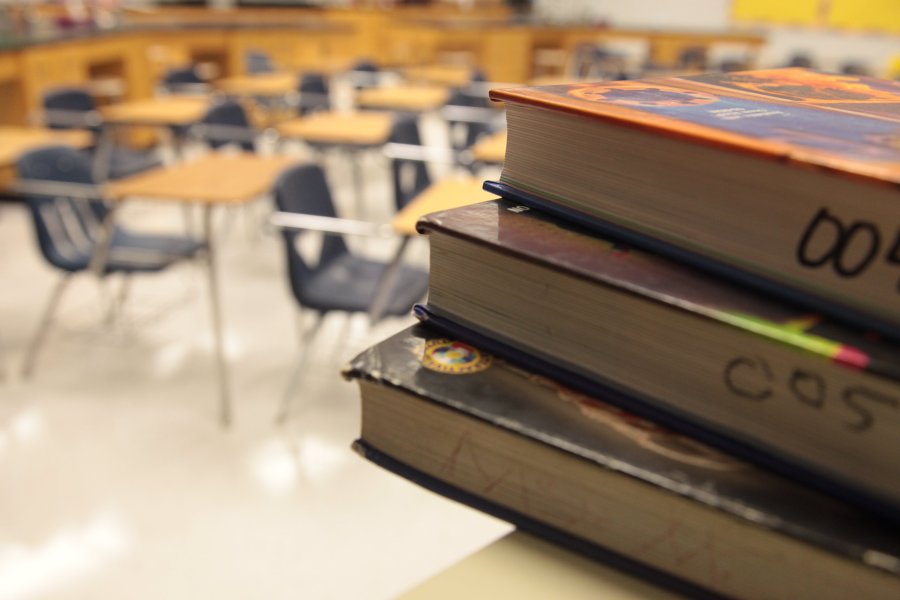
783 179
606 483
764 379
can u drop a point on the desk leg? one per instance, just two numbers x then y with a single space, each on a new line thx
355 164
386 285
216 313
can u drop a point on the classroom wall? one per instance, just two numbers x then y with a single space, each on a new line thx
830 46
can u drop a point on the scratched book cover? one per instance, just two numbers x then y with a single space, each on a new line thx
789 116
463 378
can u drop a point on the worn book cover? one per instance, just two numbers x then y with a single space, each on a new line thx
842 124
488 390
762 361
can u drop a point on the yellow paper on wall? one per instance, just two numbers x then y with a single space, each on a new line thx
796 12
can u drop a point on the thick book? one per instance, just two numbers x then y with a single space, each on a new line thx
784 179
780 386
584 474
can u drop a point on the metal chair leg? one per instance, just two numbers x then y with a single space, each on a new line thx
44 327
306 340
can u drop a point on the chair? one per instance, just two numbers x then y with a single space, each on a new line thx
74 108
464 134
314 96
183 80
365 74
339 280
227 123
66 220
410 177
257 61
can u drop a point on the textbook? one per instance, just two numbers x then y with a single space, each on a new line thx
760 378
586 475
783 179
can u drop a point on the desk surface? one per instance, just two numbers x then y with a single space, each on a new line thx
491 149
523 567
442 195
262 84
160 111
345 128
416 98
450 75
15 141
215 178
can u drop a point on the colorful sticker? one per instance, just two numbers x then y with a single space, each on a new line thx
454 358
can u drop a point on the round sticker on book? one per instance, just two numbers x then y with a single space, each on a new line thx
454 358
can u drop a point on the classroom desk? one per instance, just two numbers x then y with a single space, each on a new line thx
527 568
442 195
446 75
270 85
407 98
332 128
15 141
161 111
491 149
352 132
217 179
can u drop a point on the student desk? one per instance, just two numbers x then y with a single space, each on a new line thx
162 111
491 149
213 180
442 195
270 85
331 128
447 75
524 567
407 98
15 141
349 131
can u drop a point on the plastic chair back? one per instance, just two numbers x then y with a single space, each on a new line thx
228 114
303 189
256 61
410 177
63 226
72 100
313 90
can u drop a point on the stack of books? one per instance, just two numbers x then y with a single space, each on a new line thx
673 344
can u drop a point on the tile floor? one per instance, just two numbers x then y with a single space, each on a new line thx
116 480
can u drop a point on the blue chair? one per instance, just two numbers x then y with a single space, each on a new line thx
227 123
409 177
74 108
365 74
257 61
464 134
339 280
183 80
66 220
314 94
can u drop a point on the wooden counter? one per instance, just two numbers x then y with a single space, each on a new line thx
299 39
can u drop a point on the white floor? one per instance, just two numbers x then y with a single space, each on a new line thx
116 480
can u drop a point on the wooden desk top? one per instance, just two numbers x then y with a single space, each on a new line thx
216 178
449 75
15 141
442 195
352 129
262 84
491 149
160 111
415 98
527 568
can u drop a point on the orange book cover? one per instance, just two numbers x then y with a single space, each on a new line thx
850 125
